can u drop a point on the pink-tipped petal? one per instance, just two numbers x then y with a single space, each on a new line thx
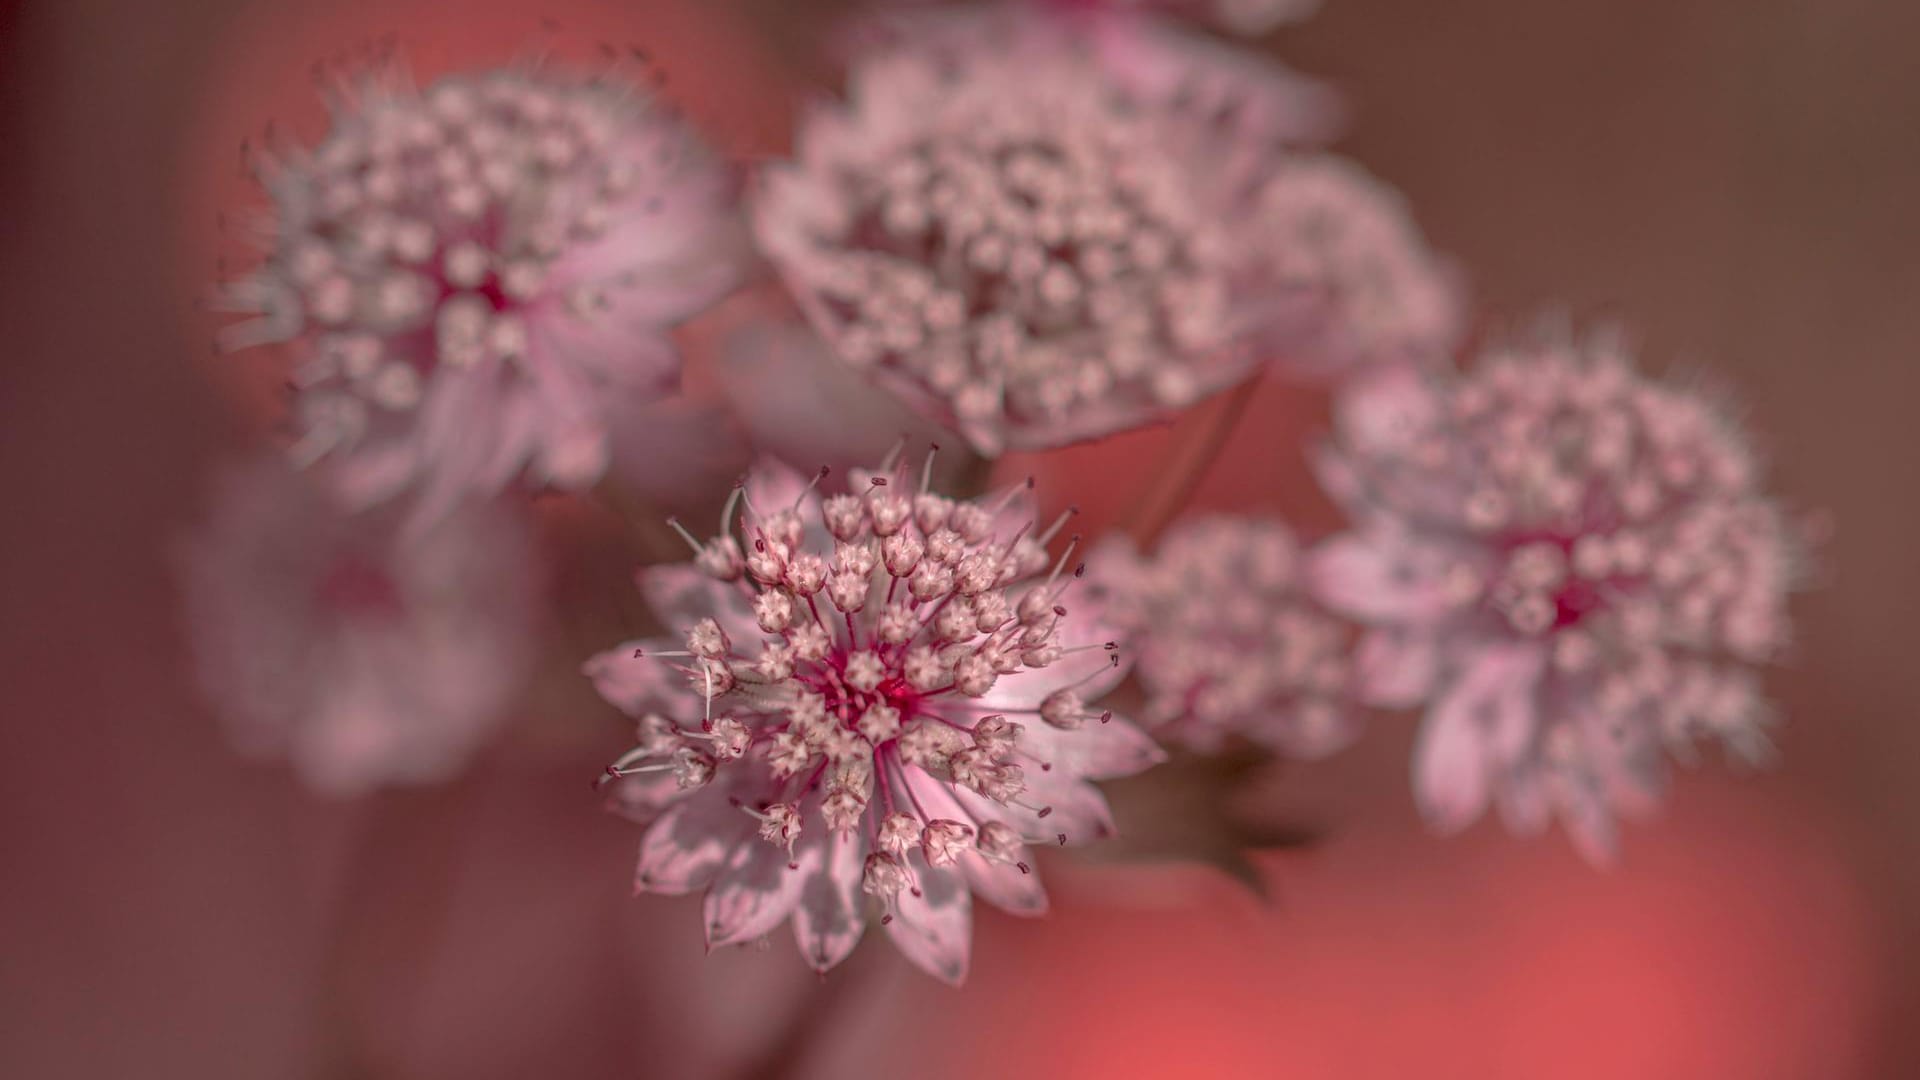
755 892
681 595
1377 576
637 685
934 929
1472 730
830 915
683 850
1396 668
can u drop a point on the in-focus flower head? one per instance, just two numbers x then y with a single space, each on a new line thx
363 653
477 273
1332 230
1030 227
1572 564
865 713
1226 640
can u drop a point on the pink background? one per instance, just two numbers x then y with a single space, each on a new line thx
1734 179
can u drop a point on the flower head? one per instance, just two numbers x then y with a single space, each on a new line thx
1029 227
476 274
1246 17
854 716
1350 241
1572 564
363 653
1227 641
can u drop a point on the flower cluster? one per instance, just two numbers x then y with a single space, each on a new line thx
477 275
1034 223
364 653
1333 231
1227 640
1031 227
881 697
1574 566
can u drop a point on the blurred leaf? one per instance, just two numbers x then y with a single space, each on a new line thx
1190 810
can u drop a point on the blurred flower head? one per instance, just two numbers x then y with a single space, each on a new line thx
477 276
1030 227
1329 228
1574 566
880 698
1247 17
1226 640
362 653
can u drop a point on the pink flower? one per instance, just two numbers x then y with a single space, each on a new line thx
1245 17
1332 230
1030 227
364 654
867 712
1571 564
479 277
1226 641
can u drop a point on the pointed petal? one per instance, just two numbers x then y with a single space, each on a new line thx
1379 576
1396 667
1097 751
1073 809
1589 821
1477 727
637 685
755 892
683 850
830 915
935 929
1004 885
681 595
1524 805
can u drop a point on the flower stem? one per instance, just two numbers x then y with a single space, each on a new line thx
1209 427
388 924
815 1021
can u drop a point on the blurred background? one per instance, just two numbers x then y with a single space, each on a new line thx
1734 180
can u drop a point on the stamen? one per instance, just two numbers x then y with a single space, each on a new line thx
1060 563
733 501
674 524
1011 494
1053 530
811 484
926 468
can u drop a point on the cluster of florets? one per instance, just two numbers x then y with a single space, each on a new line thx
1032 231
1226 640
472 270
1351 243
363 653
892 690
1572 563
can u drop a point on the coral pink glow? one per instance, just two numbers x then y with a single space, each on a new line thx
296 789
